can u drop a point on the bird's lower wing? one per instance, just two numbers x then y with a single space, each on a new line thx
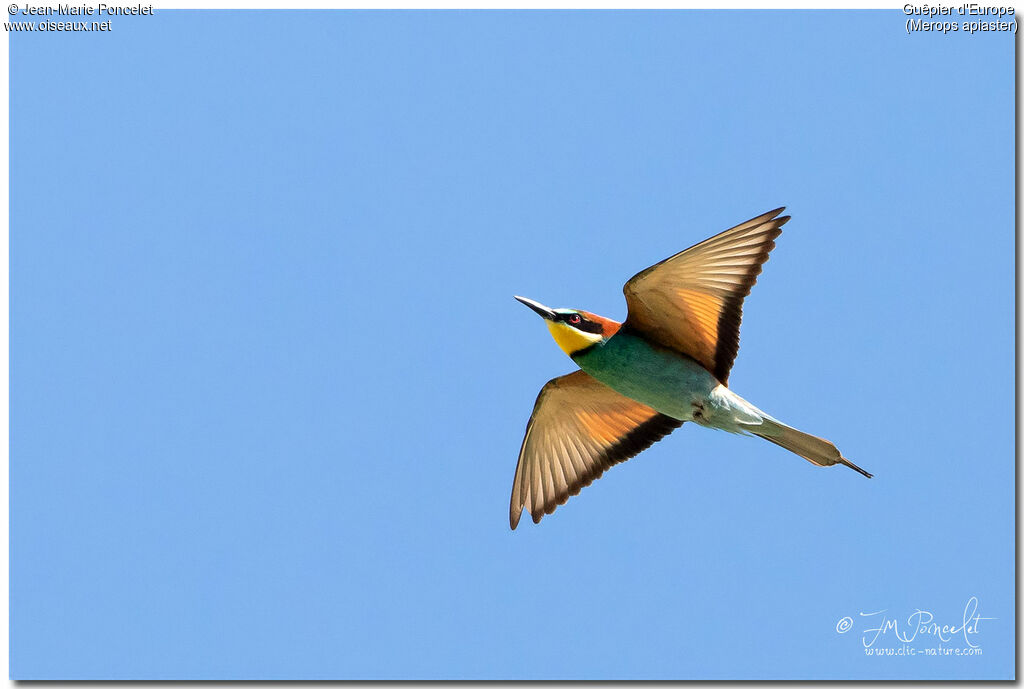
579 428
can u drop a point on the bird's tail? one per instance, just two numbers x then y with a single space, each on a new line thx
812 448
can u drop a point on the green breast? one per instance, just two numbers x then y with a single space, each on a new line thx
660 378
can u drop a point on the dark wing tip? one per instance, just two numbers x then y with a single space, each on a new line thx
630 445
769 217
729 346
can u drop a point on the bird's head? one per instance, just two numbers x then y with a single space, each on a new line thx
574 330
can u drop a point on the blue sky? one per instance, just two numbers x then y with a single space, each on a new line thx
268 382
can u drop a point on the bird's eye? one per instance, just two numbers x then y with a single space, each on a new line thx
575 319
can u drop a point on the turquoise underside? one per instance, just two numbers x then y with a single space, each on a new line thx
660 378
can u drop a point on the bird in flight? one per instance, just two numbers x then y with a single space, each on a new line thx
668 363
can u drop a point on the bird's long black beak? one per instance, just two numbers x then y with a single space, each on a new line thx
544 311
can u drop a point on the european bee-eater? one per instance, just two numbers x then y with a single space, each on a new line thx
666 364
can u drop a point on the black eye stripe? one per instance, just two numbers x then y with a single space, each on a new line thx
584 324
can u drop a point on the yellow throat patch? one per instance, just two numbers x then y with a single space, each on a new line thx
570 339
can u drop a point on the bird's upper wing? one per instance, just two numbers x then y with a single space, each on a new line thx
579 428
692 302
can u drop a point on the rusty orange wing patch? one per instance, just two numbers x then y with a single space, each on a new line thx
693 302
578 429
